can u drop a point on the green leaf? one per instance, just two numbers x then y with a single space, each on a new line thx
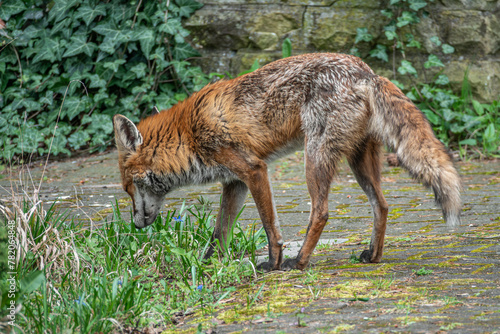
88 14
407 68
73 106
478 107
387 13
393 2
46 51
9 8
390 32
447 49
448 115
147 40
31 282
442 79
187 7
380 52
489 134
78 139
96 81
362 35
414 44
417 4
471 142
432 117
108 29
58 11
435 40
286 48
79 45
407 18
139 70
115 65
433 61
183 51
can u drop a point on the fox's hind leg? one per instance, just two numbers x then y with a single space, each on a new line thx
233 197
319 177
365 164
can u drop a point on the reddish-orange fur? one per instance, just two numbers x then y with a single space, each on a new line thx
332 104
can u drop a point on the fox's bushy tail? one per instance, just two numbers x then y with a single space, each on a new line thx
398 123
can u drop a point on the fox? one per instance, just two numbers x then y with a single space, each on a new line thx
330 105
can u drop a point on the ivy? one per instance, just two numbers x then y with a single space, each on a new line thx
100 58
458 121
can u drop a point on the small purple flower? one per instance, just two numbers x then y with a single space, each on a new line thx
200 287
178 219
302 310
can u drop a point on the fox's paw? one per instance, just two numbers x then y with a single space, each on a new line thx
265 267
366 257
290 264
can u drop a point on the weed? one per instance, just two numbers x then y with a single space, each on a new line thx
354 259
75 278
422 271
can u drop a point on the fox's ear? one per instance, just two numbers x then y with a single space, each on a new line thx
155 111
127 137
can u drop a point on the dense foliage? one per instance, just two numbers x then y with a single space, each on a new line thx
459 121
75 63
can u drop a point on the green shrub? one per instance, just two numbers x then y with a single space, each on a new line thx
460 122
99 58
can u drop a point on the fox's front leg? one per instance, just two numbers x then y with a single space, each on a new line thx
233 197
253 172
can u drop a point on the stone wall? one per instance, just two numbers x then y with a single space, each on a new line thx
231 34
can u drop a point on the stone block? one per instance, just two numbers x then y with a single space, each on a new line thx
334 29
484 77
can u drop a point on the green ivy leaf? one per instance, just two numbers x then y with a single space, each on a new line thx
183 51
9 8
387 13
79 45
58 11
108 29
139 70
78 139
390 32
46 51
73 106
442 80
417 4
407 18
448 115
115 65
147 40
88 14
435 40
362 35
447 48
187 7
380 52
407 68
96 81
433 61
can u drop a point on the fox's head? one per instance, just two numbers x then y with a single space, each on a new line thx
137 178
